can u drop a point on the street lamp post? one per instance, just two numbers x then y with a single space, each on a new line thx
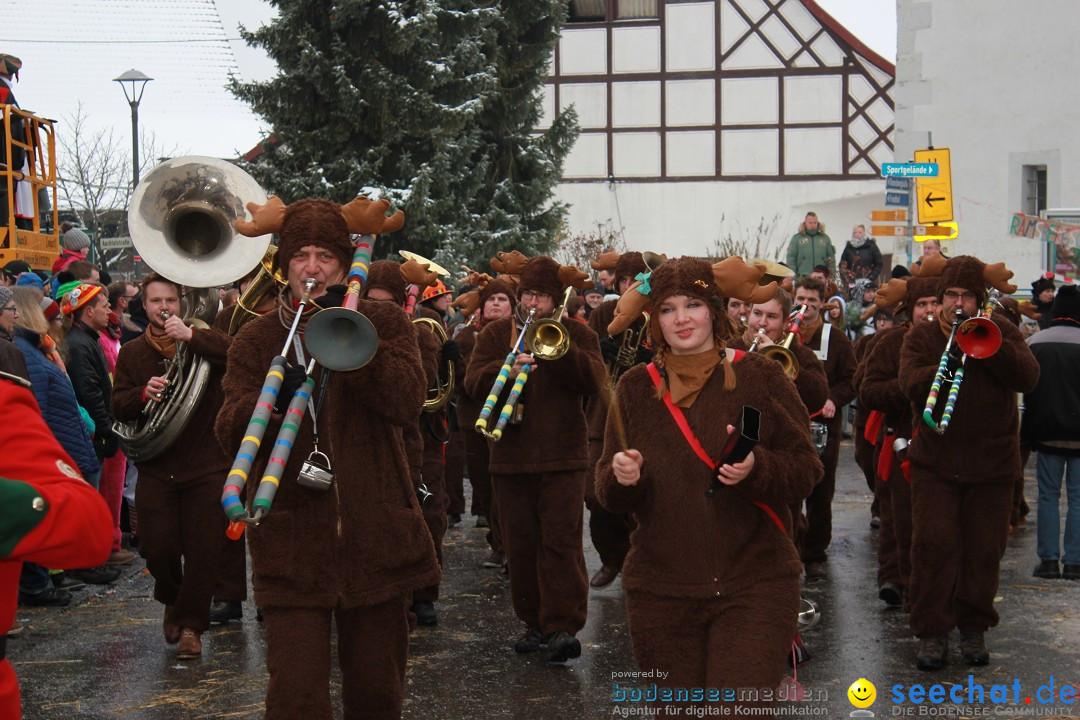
138 83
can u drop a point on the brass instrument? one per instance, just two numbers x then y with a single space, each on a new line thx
632 340
757 340
265 282
181 220
547 338
439 395
782 352
978 337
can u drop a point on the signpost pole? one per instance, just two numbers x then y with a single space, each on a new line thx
912 199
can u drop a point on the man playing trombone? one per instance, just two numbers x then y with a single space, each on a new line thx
539 467
962 477
351 549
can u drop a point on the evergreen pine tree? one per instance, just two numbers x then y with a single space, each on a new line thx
430 103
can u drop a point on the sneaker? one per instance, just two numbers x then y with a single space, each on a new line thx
1047 569
1071 572
563 647
495 560
932 652
529 642
66 582
892 594
100 575
221 612
49 597
190 647
15 630
121 557
973 648
482 522
815 571
604 576
425 613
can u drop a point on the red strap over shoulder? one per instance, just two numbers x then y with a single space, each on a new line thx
695 444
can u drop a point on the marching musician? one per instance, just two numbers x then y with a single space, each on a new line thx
539 468
496 300
610 532
879 390
423 442
767 325
712 583
834 350
354 553
181 526
962 480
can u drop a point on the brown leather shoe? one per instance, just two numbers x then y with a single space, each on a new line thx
190 646
604 576
120 557
170 629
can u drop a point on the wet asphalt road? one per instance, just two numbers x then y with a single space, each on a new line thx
104 656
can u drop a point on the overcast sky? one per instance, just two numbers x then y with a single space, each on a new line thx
72 49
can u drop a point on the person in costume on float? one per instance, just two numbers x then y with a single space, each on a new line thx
712 583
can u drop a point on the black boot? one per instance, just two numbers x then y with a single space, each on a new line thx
563 647
973 648
932 652
892 594
222 611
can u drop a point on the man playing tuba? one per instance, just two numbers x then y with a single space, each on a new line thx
182 532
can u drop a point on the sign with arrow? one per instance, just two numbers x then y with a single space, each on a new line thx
933 195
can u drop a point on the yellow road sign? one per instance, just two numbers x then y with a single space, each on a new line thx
888 215
944 231
888 230
933 195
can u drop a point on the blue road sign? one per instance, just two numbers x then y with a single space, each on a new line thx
896 199
897 183
909 170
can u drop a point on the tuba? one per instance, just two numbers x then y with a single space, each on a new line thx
181 222
439 395
265 282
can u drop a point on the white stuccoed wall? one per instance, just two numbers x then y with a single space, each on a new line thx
995 82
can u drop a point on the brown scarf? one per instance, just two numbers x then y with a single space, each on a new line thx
807 329
945 325
164 344
687 374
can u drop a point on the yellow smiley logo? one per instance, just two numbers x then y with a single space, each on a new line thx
862 693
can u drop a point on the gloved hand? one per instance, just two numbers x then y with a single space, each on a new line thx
294 378
451 351
107 443
609 349
644 355
334 297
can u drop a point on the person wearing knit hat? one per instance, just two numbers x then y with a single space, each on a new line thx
367 547
540 465
834 350
1049 426
702 610
962 477
1042 297
885 409
8 312
76 240
74 246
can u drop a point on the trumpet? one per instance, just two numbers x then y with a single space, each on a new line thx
782 352
632 340
547 339
978 337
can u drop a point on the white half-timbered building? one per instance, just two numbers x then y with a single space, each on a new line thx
706 118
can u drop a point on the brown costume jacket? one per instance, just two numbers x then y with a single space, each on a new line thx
839 369
552 436
880 386
689 545
364 541
982 442
811 382
137 362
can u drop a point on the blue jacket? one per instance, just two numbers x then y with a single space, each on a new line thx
55 396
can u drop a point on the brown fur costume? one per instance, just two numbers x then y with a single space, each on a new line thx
696 561
386 274
840 371
539 467
432 429
628 267
357 551
962 480
182 528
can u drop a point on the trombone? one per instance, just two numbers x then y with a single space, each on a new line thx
547 339
978 337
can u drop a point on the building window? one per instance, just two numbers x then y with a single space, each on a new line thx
598 10
1034 189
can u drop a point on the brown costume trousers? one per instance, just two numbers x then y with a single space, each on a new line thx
610 532
815 540
373 651
182 536
959 533
232 571
735 641
454 475
477 460
542 516
435 515
894 536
